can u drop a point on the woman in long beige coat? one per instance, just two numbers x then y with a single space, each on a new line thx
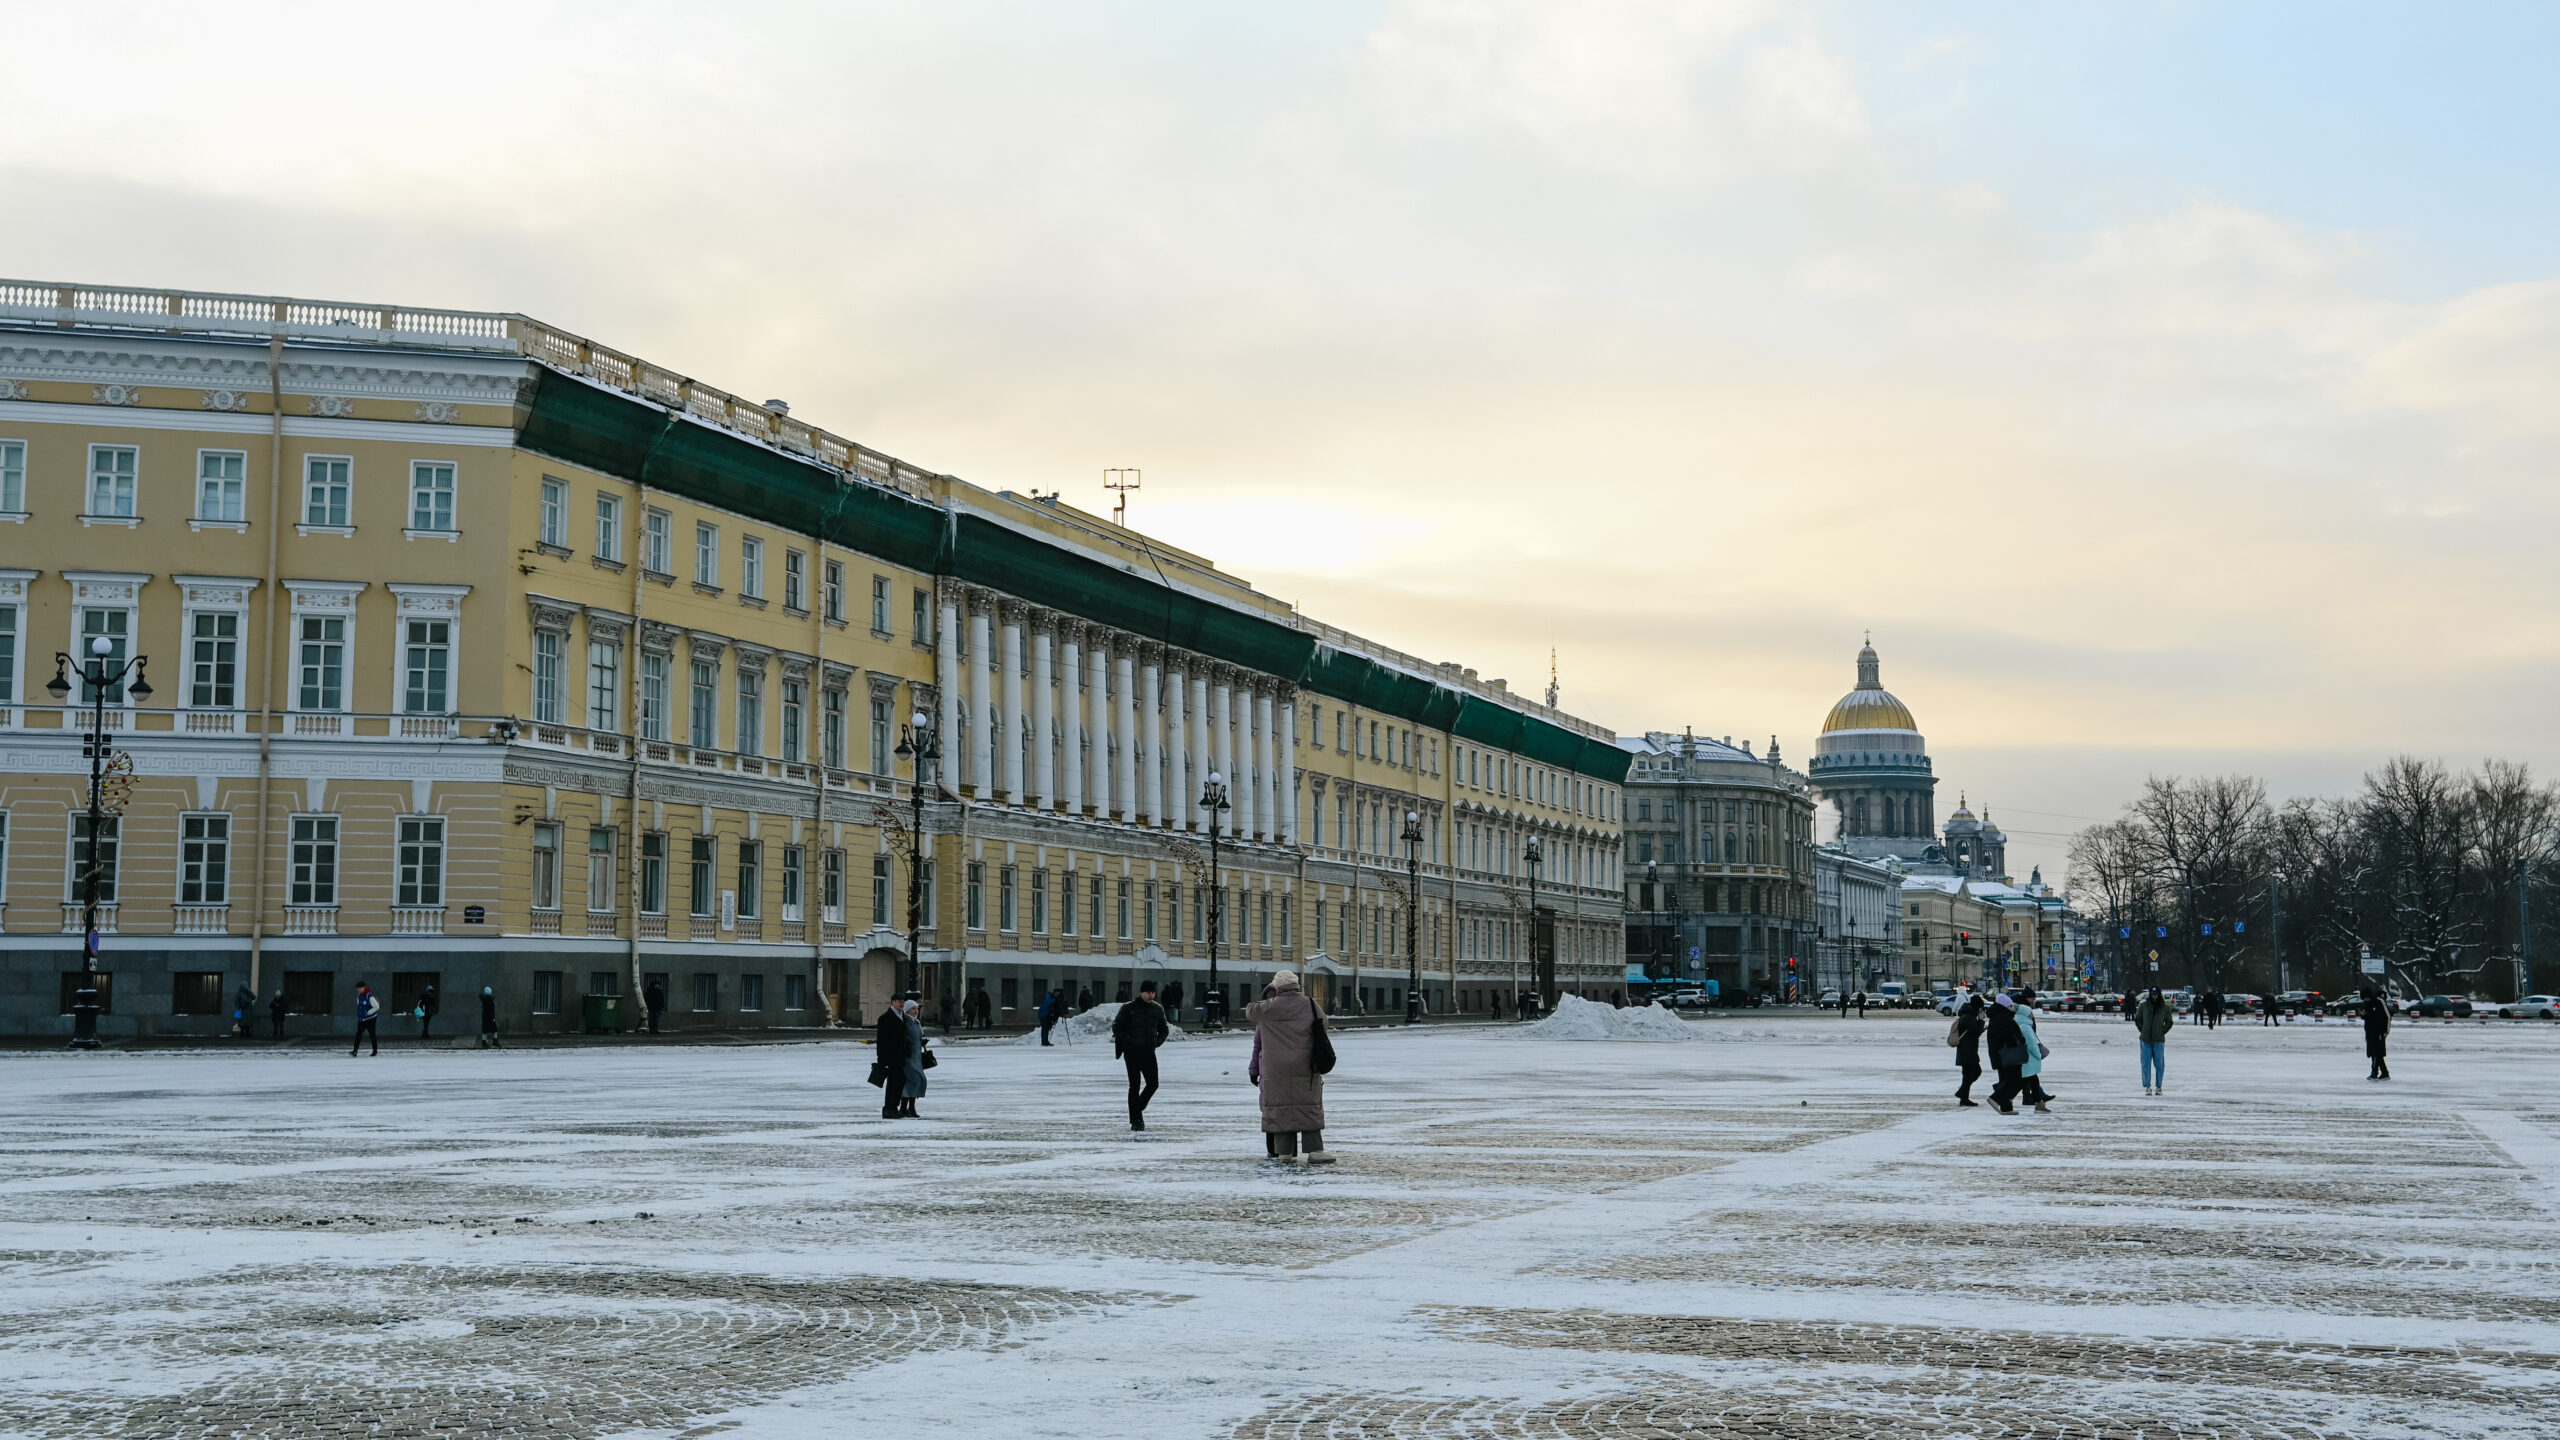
1284 1042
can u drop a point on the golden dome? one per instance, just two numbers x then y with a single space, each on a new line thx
1870 706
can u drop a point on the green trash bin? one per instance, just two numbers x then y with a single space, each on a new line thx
604 1014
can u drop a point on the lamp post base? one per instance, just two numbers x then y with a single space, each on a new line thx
84 1019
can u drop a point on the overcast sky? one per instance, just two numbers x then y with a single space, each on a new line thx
2169 387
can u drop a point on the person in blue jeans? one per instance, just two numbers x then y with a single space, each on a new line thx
2152 1021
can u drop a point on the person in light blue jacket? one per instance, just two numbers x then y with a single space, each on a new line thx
2033 1071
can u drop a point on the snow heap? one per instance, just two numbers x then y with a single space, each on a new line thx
1093 1027
1578 1019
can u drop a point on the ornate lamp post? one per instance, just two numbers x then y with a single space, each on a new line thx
1413 916
1542 968
920 744
1213 799
97 678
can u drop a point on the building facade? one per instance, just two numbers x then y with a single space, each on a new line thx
1719 864
486 655
1856 940
1873 764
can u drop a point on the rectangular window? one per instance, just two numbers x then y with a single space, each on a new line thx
795 581
13 476
750 992
111 479
831 896
426 663
1121 901
604 685
750 739
657 543
1008 917
546 865
699 896
795 992
601 847
195 992
1285 908
795 868
751 568
8 655
326 490
706 700
653 874
976 895
322 664
750 879
1093 912
213 661
104 860
832 751
880 603
924 617
221 485
608 527
204 860
111 626
1067 903
879 737
706 554
834 585
421 863
555 512
313 879
546 992
879 889
653 695
795 704
547 645
430 495
706 992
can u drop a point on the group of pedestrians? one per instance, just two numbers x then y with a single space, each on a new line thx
2007 1027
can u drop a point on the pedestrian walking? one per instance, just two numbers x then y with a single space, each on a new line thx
489 1017
2031 1070
276 1012
897 1058
2213 1009
1844 1004
2267 1012
1291 1056
1084 998
428 1004
368 1017
244 1007
1862 1004
1136 1032
653 996
1965 1034
919 1057
1173 1001
2153 1019
2377 1033
2008 1047
1050 1005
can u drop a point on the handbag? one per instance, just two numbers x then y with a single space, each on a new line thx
1952 1028
1320 1050
879 1073
2010 1057
929 1061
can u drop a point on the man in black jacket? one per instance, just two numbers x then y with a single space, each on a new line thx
892 1045
1966 1035
1135 1033
2008 1047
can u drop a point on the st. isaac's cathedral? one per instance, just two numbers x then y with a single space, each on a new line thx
1873 765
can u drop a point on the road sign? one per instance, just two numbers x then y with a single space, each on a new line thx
2161 931
2124 932
2208 929
2239 927
2372 964
2155 959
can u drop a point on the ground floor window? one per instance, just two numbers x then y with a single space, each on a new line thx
751 992
546 992
195 992
99 980
310 992
706 992
795 992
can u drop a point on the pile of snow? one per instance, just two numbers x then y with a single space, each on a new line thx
1578 1019
1093 1027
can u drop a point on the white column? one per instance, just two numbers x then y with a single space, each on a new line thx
1203 758
1222 737
1124 725
1044 774
1151 730
1177 755
982 704
946 679
1249 768
1097 665
1011 658
1071 726
1267 813
1289 769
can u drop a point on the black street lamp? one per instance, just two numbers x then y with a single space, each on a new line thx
97 678
1213 799
1542 965
921 745
1413 916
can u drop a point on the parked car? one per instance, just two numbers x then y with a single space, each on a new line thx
2443 1007
1831 998
2532 1007
2301 1002
1891 994
1686 1000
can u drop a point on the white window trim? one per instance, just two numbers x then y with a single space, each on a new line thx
542 487
230 824
409 503
13 591
326 598
426 602
89 480
105 590
608 537
19 515
302 522
444 863
214 595
558 867
337 866
750 567
197 520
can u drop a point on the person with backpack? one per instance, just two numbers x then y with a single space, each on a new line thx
368 1017
2153 1019
1136 1033
1291 1056
1965 1034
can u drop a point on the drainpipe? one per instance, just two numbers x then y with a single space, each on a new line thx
631 771
818 775
267 653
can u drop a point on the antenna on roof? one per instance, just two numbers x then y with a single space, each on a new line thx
1123 481
1551 677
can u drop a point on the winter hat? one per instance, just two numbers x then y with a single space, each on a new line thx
487 990
2006 1002
1285 980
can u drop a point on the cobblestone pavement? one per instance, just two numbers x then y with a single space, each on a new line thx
1787 1232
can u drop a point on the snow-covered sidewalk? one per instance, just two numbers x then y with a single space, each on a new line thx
1791 1230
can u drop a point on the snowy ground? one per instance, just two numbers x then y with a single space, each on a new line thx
1786 1231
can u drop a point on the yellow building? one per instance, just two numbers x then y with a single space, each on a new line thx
486 656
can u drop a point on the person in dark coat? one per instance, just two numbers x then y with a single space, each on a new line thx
276 1011
244 1006
489 1017
655 999
1844 1004
2153 1019
1136 1032
1173 1001
1084 999
1050 1005
1862 1004
368 1018
1966 1036
2377 1033
893 1044
428 1004
2008 1046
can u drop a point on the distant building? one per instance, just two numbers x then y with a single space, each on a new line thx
1856 944
1719 863
1872 762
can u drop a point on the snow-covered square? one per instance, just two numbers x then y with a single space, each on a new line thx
1780 1225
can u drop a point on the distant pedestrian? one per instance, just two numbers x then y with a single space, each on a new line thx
2032 1069
898 1050
2267 1012
276 1011
1136 1032
1291 1054
2008 1046
2377 1033
1965 1034
1862 1004
489 1017
244 1010
1173 1001
919 1058
368 1017
653 997
428 1004
1084 998
2153 1019
1844 1004
2213 1009
1050 1005
2132 999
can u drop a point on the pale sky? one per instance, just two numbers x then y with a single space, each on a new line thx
2169 386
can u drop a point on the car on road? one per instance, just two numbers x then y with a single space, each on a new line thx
1831 998
2301 1002
2532 1007
1686 1000
1891 994
2442 1007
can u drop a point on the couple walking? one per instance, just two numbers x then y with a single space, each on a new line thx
2009 1027
1291 1056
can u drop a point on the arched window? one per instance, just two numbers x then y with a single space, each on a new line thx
1858 816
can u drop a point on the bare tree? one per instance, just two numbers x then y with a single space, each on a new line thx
2423 889
2206 841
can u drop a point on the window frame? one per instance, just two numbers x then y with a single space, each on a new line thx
423 475
204 859
550 660
608 514
190 618
543 877
551 513
235 496
604 684
418 880
13 476
315 874
706 554
657 542
795 580
132 484
750 567
604 869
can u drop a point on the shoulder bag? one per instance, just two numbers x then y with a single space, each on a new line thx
1320 1055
